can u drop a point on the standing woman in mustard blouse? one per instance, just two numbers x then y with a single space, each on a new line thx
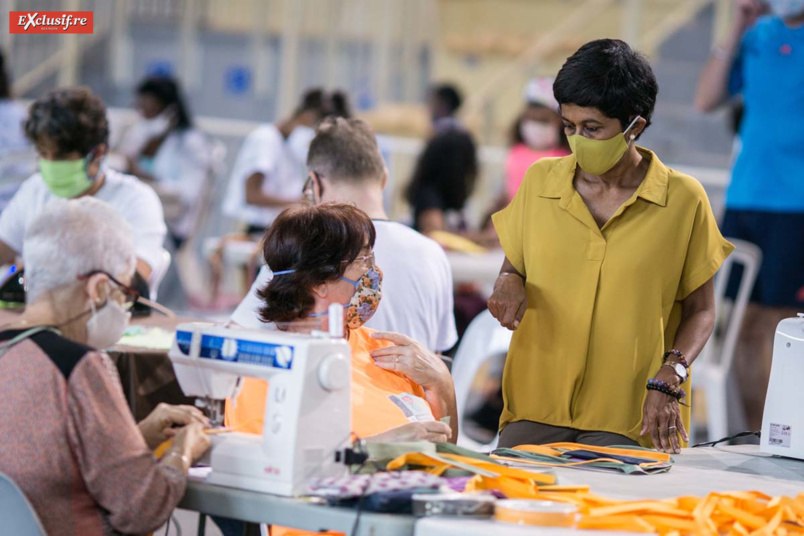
607 281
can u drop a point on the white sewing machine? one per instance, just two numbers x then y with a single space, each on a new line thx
307 411
783 420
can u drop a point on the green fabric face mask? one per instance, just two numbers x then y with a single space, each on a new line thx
598 156
65 178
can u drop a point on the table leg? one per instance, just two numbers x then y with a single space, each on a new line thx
202 524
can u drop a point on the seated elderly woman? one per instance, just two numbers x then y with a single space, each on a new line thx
323 255
67 437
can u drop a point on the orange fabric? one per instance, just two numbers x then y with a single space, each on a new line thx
373 411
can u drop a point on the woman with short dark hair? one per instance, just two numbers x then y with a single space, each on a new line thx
607 280
70 131
323 254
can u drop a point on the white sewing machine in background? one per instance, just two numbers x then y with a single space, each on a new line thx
783 420
307 420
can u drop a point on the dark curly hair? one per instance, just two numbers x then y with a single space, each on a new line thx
71 118
318 242
608 75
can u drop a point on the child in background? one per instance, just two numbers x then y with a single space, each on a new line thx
536 134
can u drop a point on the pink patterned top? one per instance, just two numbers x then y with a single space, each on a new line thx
69 441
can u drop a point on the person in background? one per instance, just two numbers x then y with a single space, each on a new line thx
608 274
69 129
321 255
269 172
16 154
68 438
166 151
345 166
762 59
537 133
445 174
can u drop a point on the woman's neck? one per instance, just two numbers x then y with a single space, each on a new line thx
304 326
45 313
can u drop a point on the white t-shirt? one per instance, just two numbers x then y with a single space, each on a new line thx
416 289
180 167
284 164
17 156
132 199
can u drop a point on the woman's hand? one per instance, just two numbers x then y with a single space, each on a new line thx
509 301
160 425
425 368
411 359
192 441
432 431
661 418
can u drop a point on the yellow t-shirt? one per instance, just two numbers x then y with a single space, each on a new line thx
381 399
604 303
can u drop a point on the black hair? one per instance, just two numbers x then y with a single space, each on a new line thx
167 91
608 75
313 100
449 96
5 79
339 105
445 174
72 118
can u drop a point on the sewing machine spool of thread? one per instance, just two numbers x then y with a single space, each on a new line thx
540 513
336 320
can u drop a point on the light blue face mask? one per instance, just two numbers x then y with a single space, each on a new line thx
365 300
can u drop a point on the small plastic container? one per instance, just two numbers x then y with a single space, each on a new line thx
453 504
539 513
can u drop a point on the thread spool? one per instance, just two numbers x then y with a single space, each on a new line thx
532 512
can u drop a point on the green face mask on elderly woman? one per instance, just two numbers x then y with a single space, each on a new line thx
67 178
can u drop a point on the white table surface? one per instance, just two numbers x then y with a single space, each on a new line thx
479 268
696 472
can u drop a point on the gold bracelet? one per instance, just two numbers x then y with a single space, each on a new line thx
512 273
185 460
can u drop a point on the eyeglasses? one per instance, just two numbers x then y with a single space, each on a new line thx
313 188
130 295
366 261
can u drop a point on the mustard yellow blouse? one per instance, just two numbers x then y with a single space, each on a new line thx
604 303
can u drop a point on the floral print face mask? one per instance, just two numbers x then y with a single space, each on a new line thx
366 299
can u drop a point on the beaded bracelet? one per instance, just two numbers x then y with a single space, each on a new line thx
658 385
679 354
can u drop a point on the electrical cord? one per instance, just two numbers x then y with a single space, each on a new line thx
756 433
360 447
175 522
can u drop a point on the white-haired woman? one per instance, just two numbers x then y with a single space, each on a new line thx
67 437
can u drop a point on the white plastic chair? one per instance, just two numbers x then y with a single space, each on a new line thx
710 372
484 339
16 513
158 274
